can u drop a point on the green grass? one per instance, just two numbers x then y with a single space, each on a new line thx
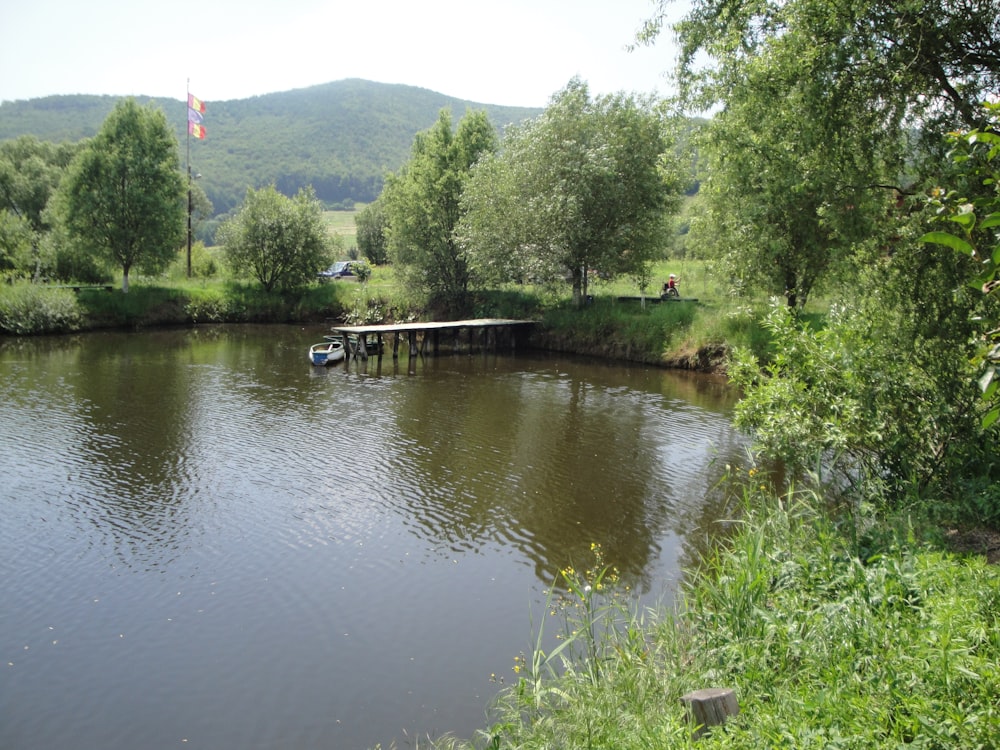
670 333
341 224
695 279
27 309
824 648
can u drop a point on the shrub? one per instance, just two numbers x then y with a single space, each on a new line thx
208 306
31 309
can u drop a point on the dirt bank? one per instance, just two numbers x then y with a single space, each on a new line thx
710 358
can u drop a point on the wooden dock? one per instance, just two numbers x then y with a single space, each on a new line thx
655 300
79 287
420 335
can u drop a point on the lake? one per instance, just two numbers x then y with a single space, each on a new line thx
209 543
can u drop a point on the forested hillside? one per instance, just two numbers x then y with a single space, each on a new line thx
340 137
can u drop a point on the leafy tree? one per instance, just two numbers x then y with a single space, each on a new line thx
787 197
973 223
201 208
371 223
15 243
877 397
281 242
883 395
422 203
30 172
826 104
581 188
123 195
926 61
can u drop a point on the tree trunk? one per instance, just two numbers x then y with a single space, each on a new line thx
791 285
577 288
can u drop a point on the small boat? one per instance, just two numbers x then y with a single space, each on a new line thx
326 353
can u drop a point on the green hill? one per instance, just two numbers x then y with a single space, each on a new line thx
339 137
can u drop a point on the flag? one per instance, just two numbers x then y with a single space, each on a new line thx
196 110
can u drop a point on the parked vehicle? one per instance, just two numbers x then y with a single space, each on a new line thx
340 269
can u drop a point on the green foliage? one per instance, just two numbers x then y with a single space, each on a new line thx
30 172
927 61
27 309
69 261
143 306
805 404
821 102
618 330
586 186
975 217
515 304
203 263
422 203
211 305
365 308
15 245
123 196
786 196
878 398
372 222
362 269
281 242
823 649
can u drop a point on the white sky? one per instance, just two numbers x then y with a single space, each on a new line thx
513 52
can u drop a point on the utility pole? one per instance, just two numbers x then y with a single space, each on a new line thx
187 99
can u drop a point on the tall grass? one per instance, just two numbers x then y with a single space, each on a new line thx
30 309
653 334
825 649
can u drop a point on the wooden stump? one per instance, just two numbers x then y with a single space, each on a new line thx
710 707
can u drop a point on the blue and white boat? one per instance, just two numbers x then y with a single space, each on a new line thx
326 353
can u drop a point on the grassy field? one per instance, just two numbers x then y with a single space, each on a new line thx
694 278
341 224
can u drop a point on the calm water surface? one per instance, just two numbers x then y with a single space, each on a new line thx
208 543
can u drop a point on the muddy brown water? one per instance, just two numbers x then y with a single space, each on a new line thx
209 543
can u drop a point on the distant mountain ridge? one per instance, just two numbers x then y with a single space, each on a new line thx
340 137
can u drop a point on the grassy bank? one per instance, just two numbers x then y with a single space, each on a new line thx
830 639
684 334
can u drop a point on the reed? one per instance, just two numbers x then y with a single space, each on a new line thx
27 309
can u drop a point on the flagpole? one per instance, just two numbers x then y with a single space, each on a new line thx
187 100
